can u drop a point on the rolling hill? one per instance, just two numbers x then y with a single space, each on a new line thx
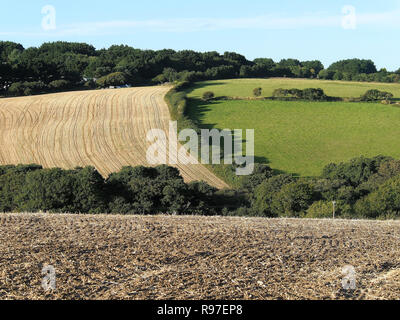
302 137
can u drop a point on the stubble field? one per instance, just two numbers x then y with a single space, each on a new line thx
158 257
103 128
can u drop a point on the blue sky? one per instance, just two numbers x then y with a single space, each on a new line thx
306 30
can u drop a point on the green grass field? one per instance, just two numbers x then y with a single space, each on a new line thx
244 87
302 137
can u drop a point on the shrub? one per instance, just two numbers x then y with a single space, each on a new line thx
160 79
56 190
28 92
242 212
35 86
90 84
320 209
295 93
293 199
16 89
208 95
113 79
313 94
59 85
47 190
385 200
265 192
376 95
324 209
354 172
12 179
280 93
89 191
26 88
310 94
257 92
260 173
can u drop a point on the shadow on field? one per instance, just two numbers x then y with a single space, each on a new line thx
202 85
264 160
196 111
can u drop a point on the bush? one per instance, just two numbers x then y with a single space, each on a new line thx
314 94
26 88
310 94
265 192
113 79
260 173
12 179
56 190
160 79
59 85
354 172
280 93
385 200
376 95
47 190
293 199
16 89
28 92
320 209
324 209
91 84
257 92
208 95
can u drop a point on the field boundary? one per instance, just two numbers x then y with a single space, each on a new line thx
177 101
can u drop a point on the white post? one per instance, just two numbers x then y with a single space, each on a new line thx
334 209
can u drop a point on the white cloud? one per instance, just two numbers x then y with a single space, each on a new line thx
266 22
207 24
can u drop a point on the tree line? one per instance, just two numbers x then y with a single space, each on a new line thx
60 66
132 190
362 188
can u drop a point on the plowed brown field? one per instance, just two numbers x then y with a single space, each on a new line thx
158 257
105 128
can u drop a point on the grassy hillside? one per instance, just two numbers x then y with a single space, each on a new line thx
101 128
302 137
244 87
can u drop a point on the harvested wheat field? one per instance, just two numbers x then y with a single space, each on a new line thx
170 257
104 128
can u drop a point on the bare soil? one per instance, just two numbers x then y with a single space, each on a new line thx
171 257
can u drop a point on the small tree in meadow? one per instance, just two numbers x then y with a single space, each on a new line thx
375 95
208 95
257 92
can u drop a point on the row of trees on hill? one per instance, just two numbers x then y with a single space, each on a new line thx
61 66
362 188
138 190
